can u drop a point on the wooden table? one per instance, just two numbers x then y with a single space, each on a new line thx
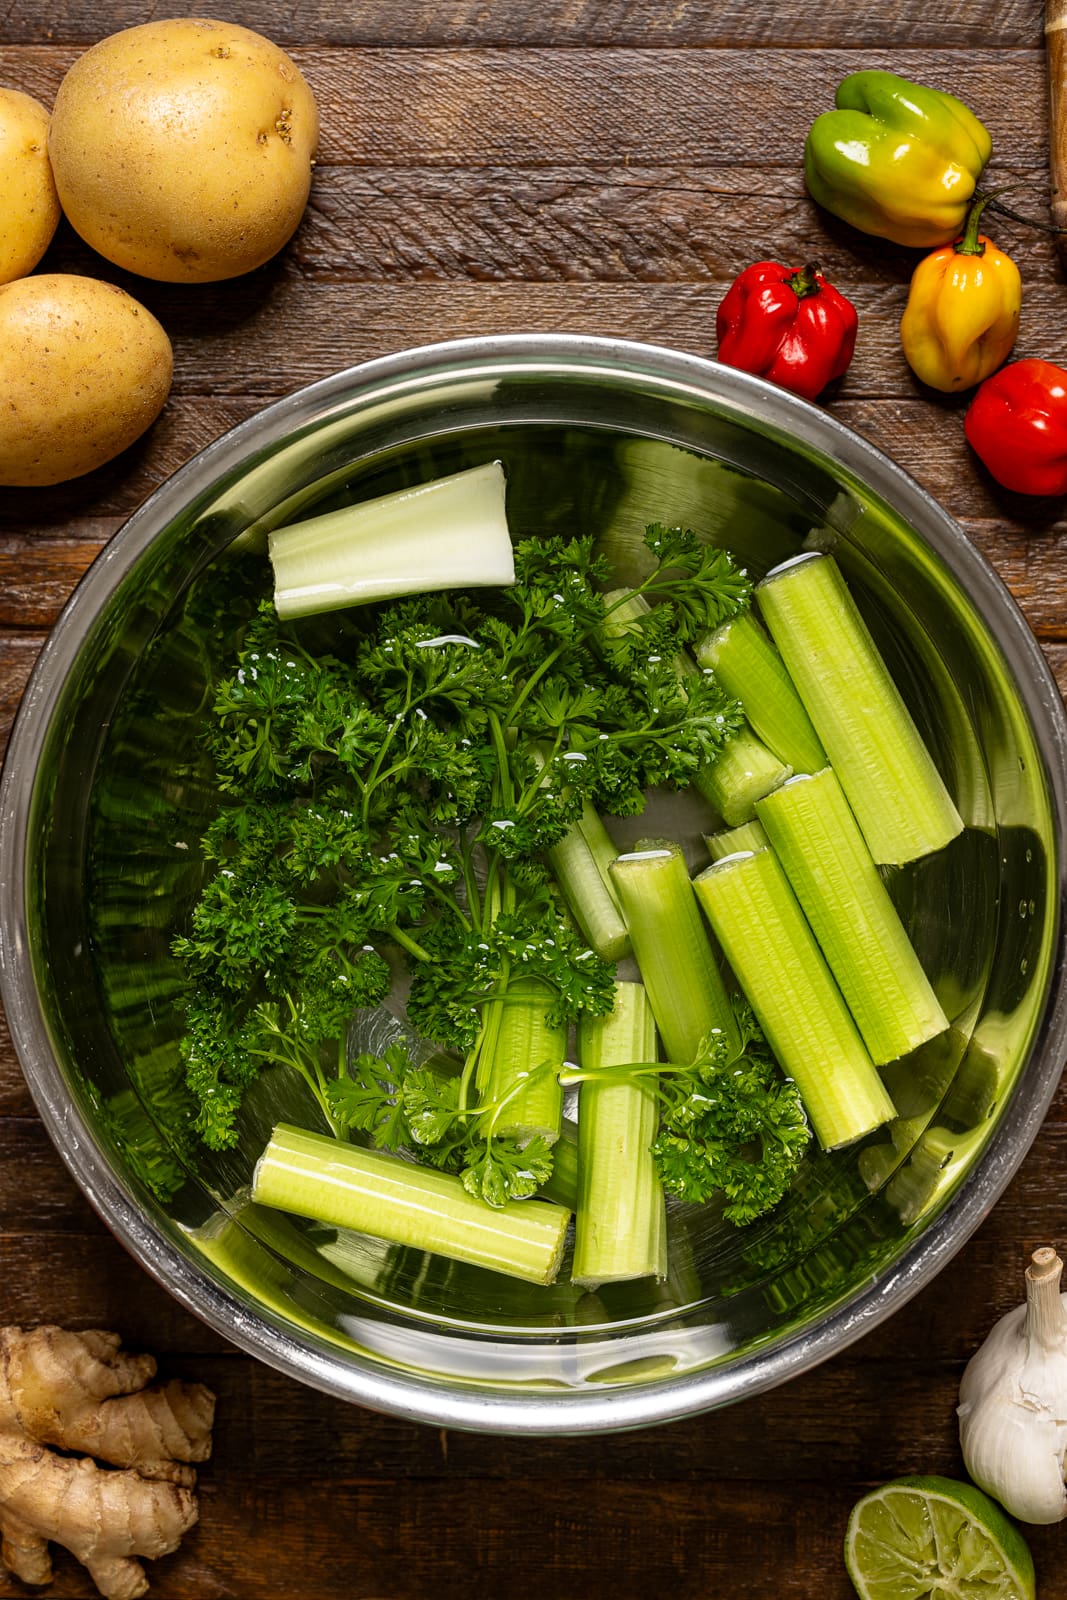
601 166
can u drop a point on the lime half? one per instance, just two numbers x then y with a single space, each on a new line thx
935 1539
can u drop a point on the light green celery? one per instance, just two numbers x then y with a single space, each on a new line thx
315 1176
621 1218
671 944
745 769
750 669
562 1186
749 836
742 773
580 863
774 956
817 841
526 1047
889 778
448 534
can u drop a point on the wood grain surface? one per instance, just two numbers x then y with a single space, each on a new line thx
600 166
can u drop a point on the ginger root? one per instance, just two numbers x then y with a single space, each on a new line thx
62 1391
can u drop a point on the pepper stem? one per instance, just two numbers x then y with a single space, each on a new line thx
970 244
1046 1319
806 281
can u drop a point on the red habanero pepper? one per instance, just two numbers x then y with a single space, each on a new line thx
1017 426
787 325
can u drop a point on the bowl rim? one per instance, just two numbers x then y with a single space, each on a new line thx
366 1380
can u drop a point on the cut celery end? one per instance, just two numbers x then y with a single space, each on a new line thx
621 1217
732 841
316 1176
580 863
777 962
887 773
448 534
672 948
819 844
742 773
749 667
521 1081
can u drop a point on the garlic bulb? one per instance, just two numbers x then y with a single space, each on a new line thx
1013 1401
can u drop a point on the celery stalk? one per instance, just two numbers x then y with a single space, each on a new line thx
448 534
526 1047
731 841
621 1219
817 841
774 956
685 988
889 778
562 1186
749 667
742 773
315 1176
580 863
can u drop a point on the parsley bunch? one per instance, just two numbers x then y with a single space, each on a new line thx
402 793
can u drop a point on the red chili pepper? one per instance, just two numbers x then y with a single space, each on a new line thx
786 325
1017 425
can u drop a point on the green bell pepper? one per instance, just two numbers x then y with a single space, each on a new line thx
896 159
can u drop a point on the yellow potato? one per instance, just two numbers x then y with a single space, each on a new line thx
183 150
29 205
84 369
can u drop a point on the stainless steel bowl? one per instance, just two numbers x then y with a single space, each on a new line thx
105 787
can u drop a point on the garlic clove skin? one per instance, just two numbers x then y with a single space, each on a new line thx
1013 1401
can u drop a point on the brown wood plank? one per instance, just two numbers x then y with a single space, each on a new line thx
476 108
18 652
15 1099
625 223
558 23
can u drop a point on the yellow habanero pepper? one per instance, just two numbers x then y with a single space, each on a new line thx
962 314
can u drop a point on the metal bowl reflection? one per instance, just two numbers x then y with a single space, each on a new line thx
105 787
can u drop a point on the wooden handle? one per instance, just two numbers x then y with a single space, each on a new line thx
1056 52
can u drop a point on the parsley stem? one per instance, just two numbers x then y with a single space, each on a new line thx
507 792
406 942
474 898
535 677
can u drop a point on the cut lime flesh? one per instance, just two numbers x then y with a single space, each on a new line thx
935 1539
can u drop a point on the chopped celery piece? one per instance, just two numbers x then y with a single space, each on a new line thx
731 841
448 534
671 944
522 1065
749 667
316 1176
621 1218
818 842
742 773
889 778
580 863
776 961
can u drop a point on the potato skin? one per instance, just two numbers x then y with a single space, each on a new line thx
84 370
182 150
29 204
